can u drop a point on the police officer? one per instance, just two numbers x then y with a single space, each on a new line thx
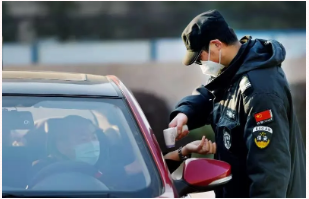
248 103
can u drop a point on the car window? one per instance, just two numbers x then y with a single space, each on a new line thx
53 144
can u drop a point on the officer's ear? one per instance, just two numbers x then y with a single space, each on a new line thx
216 43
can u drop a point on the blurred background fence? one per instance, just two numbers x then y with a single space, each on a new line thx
140 43
126 51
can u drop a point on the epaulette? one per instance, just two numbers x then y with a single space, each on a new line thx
245 39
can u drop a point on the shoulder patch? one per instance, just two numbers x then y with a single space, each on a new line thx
244 84
263 117
262 136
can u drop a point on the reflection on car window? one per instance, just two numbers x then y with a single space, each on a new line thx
72 141
15 138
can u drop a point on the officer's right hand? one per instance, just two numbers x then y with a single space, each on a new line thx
179 121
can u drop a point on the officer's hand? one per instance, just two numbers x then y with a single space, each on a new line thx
202 147
179 121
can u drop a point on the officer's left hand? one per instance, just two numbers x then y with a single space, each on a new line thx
179 121
202 147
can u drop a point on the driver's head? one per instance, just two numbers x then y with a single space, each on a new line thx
75 138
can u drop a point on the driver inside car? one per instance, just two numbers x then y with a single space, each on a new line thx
72 138
77 139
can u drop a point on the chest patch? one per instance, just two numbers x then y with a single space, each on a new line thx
230 114
227 139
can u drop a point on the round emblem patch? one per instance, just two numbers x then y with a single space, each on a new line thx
227 139
262 136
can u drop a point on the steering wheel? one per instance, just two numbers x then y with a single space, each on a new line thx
67 175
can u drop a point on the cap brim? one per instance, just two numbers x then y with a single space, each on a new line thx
190 57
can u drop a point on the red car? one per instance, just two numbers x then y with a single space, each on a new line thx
81 135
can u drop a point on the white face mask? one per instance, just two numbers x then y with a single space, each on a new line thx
88 152
211 68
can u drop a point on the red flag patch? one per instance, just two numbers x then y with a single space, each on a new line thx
262 117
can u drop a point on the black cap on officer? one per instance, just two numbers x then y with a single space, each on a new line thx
200 31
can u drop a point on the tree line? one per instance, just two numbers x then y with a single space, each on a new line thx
148 20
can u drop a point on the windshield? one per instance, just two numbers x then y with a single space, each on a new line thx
53 145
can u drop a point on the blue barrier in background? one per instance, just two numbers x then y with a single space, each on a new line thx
169 49
35 53
153 50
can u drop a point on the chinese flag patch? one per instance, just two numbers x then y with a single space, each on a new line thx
262 117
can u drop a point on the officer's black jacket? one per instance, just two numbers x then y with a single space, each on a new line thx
249 106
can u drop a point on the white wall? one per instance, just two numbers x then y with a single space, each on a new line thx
170 50
16 54
94 52
165 50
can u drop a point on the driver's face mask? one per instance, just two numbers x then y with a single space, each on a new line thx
88 152
209 67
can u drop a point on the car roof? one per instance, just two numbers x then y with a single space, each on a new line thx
57 83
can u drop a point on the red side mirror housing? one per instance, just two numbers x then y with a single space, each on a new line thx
205 172
200 175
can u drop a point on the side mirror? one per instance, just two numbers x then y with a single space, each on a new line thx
200 175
